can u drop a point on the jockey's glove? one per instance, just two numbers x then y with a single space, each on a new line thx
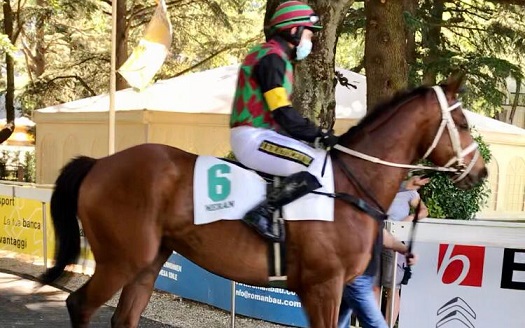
328 138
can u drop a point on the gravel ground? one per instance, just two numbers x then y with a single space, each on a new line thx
163 307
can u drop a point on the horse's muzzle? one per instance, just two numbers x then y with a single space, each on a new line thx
472 179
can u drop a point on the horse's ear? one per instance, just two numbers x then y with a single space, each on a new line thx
454 83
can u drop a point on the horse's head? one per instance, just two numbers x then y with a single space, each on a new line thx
449 141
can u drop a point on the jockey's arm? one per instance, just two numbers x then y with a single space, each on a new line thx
270 73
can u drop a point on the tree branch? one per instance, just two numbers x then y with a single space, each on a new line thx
75 77
510 2
515 103
359 66
85 60
215 54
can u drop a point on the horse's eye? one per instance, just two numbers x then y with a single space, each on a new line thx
464 126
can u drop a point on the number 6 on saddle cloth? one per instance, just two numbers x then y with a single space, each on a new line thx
224 190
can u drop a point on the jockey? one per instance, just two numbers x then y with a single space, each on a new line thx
267 133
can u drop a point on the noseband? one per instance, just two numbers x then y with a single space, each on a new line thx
455 165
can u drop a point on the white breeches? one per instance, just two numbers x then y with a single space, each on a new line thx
268 151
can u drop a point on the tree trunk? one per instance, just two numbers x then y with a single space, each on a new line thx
6 132
314 89
39 59
385 51
515 102
432 40
121 42
410 34
34 50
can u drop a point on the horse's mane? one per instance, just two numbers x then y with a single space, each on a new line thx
385 109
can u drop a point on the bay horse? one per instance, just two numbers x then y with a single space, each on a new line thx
136 207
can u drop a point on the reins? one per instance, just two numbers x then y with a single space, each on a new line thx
376 160
408 268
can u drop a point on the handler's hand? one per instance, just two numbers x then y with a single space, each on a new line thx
411 259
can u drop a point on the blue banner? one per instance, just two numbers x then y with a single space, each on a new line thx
181 277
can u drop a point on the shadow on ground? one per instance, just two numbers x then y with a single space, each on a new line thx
23 304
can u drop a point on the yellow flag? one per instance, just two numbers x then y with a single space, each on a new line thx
149 55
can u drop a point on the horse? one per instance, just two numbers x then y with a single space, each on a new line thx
136 208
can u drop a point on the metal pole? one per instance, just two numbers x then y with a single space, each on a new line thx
232 311
393 291
44 232
393 271
112 78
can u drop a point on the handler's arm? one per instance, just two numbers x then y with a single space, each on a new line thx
391 242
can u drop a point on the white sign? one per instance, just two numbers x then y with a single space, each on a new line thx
458 286
224 191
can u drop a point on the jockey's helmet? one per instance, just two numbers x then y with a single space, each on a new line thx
290 14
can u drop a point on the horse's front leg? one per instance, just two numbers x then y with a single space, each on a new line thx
321 302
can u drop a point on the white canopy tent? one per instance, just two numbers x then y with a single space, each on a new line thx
209 91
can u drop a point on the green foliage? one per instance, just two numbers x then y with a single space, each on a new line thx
351 41
63 47
29 167
485 39
444 200
69 41
210 34
350 52
14 169
479 37
6 45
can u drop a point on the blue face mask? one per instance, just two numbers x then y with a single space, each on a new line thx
303 49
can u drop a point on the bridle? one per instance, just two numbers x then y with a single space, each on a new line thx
455 165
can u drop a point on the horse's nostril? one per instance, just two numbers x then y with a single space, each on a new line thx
484 173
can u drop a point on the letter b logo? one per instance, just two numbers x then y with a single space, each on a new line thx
461 265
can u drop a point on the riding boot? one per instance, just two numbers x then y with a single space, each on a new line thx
292 187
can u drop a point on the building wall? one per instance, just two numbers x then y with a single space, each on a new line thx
506 177
62 136
205 134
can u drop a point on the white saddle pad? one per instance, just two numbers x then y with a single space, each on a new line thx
225 191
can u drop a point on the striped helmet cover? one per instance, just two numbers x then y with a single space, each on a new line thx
291 14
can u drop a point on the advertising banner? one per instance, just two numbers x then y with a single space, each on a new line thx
22 228
181 277
270 304
456 286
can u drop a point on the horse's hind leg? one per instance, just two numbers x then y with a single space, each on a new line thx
136 294
321 301
105 282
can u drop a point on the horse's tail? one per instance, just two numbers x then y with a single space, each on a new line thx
64 203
